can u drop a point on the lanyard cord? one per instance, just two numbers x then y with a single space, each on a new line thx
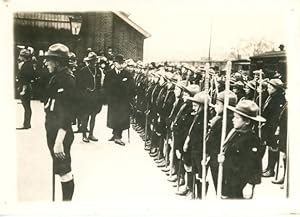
94 79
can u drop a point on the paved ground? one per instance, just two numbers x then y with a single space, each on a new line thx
102 170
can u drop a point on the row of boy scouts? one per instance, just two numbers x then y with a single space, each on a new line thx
169 110
167 105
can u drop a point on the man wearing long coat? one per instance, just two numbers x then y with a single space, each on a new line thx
119 89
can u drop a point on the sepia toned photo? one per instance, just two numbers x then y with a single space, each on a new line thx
152 103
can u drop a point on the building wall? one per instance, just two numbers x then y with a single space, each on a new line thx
126 40
99 30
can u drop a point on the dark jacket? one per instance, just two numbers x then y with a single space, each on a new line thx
196 134
242 163
181 125
60 101
89 89
213 139
283 128
271 111
119 89
26 74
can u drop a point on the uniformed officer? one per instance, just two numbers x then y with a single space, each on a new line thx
25 76
59 105
89 87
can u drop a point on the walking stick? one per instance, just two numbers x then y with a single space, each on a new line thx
260 104
206 86
128 135
224 123
53 183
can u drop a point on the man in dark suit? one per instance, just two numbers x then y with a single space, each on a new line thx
26 73
119 89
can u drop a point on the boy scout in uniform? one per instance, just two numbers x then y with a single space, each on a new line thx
59 115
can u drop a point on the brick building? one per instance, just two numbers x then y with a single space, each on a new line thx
99 30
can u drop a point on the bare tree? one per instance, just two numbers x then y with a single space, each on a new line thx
250 47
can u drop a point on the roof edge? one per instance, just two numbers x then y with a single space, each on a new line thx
132 24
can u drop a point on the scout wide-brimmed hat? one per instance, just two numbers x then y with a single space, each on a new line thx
257 72
25 53
200 98
130 62
232 98
238 85
182 85
91 56
58 50
248 109
277 83
193 89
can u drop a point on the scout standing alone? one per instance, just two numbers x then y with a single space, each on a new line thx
58 106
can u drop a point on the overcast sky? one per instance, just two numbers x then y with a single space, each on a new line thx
180 29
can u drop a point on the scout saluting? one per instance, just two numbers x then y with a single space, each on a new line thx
242 163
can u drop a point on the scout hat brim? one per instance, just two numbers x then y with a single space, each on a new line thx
255 118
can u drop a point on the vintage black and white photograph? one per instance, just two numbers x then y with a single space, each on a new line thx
157 101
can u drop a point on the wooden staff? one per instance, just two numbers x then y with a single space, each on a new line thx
128 135
224 123
53 183
206 86
147 108
179 171
260 103
287 171
211 86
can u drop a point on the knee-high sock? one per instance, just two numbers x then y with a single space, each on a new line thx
67 190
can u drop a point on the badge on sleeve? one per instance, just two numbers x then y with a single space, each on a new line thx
60 90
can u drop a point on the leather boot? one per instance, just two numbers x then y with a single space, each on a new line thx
281 181
199 189
272 160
